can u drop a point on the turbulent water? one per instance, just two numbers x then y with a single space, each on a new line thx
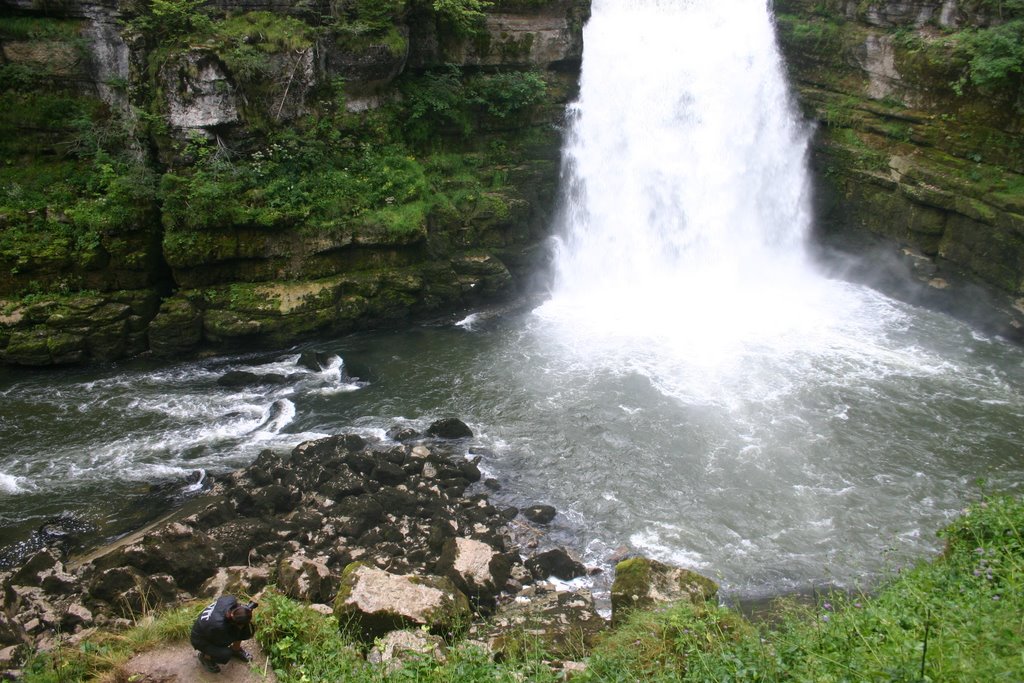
691 389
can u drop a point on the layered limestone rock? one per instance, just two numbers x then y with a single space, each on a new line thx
257 172
919 140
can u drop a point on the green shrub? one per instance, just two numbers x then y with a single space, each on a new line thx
303 645
462 16
996 56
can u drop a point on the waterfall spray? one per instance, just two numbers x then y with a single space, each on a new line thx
686 183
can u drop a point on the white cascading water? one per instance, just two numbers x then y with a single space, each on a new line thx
687 205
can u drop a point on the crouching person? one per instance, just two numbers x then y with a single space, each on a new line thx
219 630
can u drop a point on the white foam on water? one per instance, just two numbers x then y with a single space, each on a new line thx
469 321
13 484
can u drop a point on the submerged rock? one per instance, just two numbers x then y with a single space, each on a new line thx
243 378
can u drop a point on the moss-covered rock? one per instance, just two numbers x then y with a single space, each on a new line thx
641 583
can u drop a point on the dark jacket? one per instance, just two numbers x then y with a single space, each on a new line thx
213 628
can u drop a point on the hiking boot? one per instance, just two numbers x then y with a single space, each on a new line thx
243 655
209 664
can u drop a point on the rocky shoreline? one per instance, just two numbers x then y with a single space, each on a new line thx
390 534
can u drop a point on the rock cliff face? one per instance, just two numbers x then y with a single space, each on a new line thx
919 137
184 174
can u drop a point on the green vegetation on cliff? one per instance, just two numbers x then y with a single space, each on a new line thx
922 113
184 148
72 183
957 618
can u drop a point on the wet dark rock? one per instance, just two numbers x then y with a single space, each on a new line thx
557 563
450 428
387 473
302 516
470 471
316 360
400 433
539 514
492 484
62 535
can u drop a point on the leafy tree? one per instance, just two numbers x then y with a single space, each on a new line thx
461 15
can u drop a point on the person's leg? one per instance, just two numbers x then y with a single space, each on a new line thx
220 655
212 655
208 663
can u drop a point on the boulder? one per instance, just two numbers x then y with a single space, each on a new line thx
11 632
235 581
35 569
377 602
400 433
131 593
476 568
309 580
316 360
557 563
177 328
77 616
540 514
109 585
10 657
449 428
641 583
177 549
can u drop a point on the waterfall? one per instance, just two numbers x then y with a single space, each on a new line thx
685 174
